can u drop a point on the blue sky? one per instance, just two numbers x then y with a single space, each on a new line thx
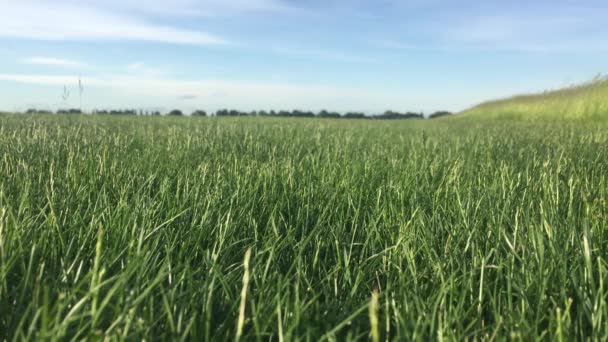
364 55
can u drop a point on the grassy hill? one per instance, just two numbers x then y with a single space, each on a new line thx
581 101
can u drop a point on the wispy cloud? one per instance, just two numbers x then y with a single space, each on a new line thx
141 69
56 62
552 30
192 8
187 97
394 44
39 79
332 55
43 20
216 93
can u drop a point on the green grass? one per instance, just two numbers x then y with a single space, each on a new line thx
133 228
585 101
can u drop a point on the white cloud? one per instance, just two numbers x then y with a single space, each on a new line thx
43 20
50 61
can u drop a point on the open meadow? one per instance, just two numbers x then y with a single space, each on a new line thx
303 229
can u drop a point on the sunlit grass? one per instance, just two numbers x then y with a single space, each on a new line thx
589 100
133 228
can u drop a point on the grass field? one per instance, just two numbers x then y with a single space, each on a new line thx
303 229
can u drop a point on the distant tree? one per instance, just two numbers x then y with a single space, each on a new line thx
439 114
69 111
131 112
326 114
199 113
391 115
232 112
176 112
38 111
412 115
353 115
301 114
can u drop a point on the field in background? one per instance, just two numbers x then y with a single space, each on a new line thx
139 228
585 101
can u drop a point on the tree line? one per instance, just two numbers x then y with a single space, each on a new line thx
388 115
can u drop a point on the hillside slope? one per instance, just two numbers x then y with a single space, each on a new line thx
581 101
